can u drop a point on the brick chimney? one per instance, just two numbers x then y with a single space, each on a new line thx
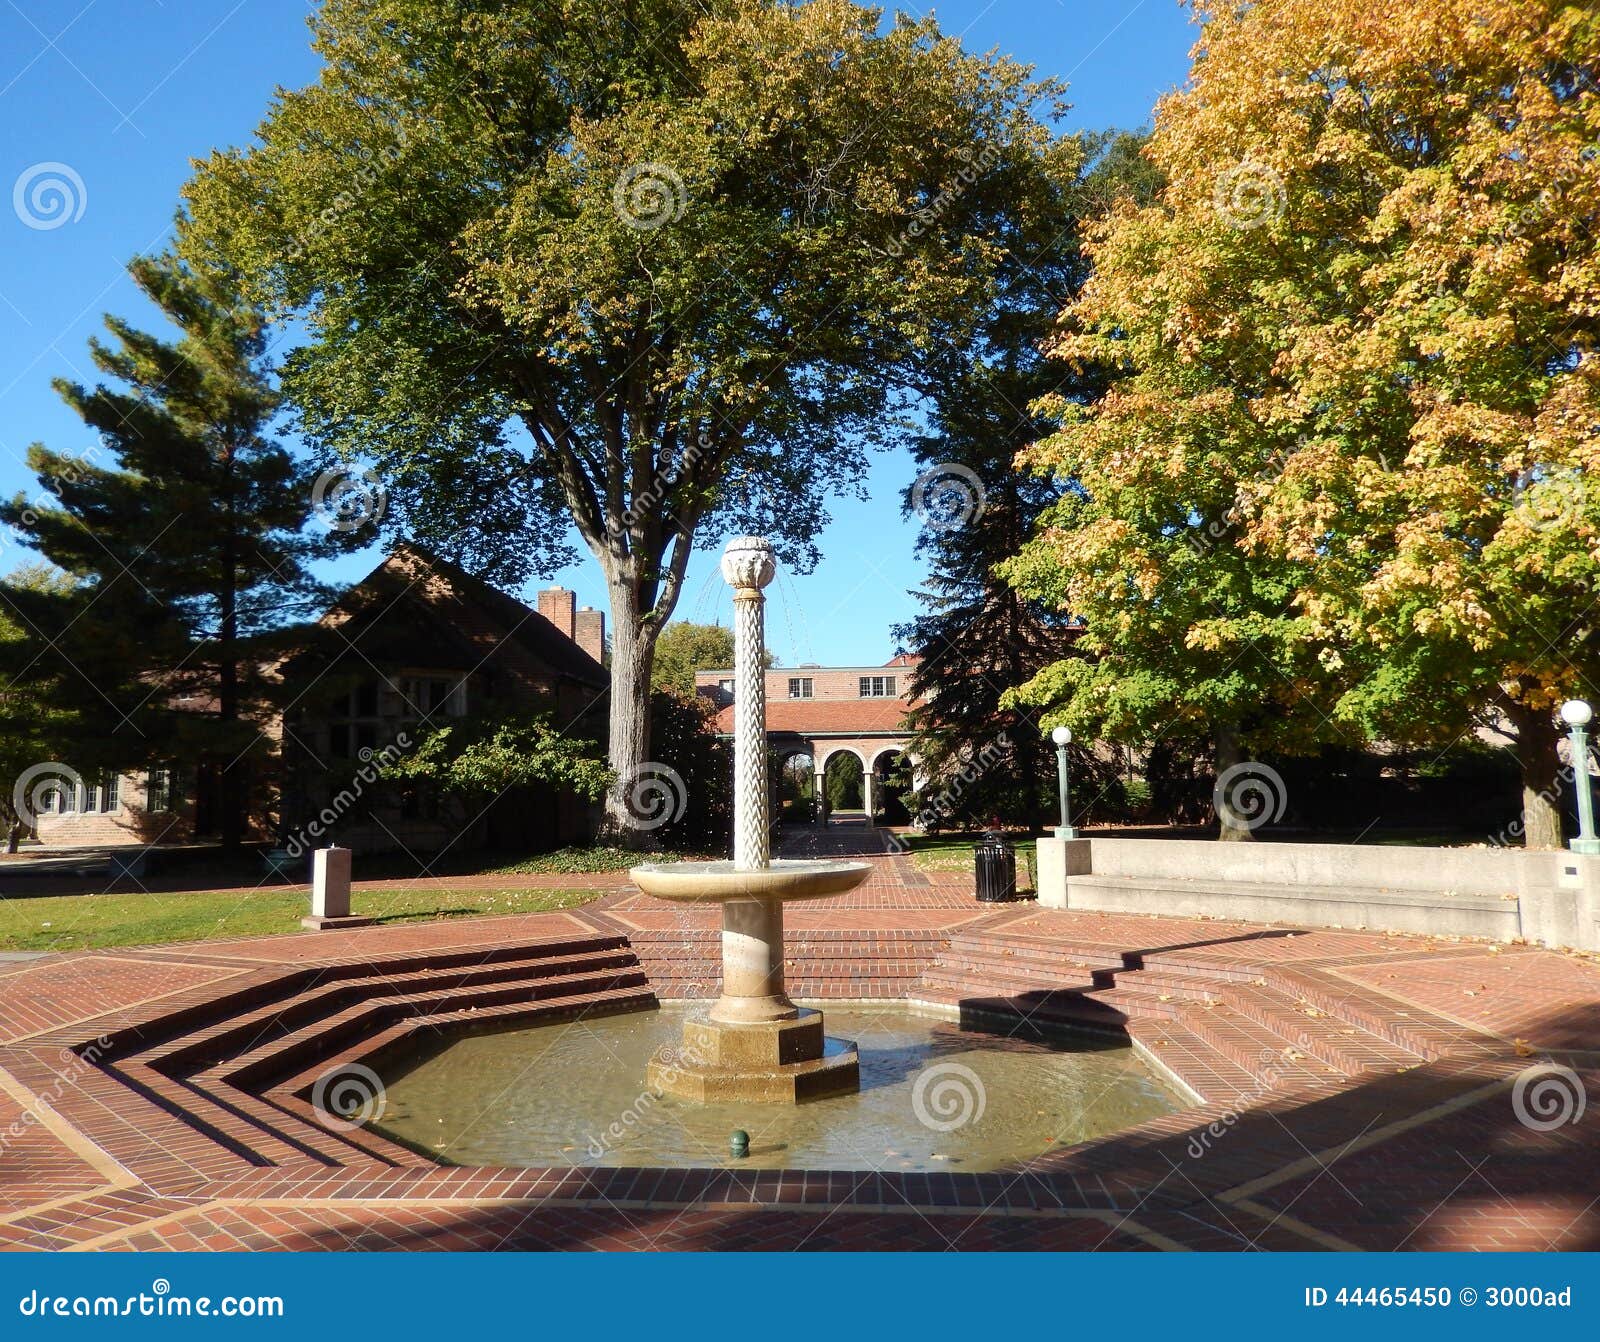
589 633
559 606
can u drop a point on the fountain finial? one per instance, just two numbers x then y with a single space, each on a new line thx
748 562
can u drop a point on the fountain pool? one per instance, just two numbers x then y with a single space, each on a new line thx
933 1097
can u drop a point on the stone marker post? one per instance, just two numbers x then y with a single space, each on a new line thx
330 891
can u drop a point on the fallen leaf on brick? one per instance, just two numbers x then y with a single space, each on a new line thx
1523 1048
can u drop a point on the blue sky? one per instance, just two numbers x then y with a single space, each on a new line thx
113 98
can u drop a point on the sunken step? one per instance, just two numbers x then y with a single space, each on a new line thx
329 1034
226 1038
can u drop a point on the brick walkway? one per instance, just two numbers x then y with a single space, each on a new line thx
1353 1089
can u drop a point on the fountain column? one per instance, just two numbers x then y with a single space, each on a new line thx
748 567
752 929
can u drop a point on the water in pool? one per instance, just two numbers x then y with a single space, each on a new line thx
933 1097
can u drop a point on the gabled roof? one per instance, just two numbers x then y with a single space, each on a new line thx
444 612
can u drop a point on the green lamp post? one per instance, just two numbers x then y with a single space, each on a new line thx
1576 714
1062 736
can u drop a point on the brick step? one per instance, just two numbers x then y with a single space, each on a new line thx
369 1050
225 1038
1273 1061
1419 1032
1146 982
162 1022
131 1125
274 1138
1329 1037
1162 996
284 1114
1108 1010
329 1033
230 1124
1091 956
1216 1080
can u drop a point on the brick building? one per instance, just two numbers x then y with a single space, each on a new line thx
415 642
820 713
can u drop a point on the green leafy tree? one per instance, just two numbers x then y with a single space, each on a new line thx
684 648
1349 469
845 782
661 268
494 752
978 636
185 528
38 726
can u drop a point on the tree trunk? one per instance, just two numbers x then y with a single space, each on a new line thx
1231 825
628 747
13 836
1537 740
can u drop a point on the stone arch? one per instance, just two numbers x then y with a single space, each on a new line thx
796 783
856 796
893 784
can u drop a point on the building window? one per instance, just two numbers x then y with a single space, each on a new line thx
158 791
726 686
877 687
800 687
110 793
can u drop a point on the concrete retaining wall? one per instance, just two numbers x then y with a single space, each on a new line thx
1548 897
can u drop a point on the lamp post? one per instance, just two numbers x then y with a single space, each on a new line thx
1062 736
1576 714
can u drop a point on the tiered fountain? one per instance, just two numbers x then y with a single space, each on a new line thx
753 1043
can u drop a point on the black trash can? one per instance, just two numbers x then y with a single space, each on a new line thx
996 861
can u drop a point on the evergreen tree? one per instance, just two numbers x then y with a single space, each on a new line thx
189 543
978 637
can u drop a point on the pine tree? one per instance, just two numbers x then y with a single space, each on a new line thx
186 528
978 637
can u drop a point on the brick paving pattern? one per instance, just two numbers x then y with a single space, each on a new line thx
1352 1089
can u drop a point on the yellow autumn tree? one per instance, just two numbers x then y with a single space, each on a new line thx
1358 333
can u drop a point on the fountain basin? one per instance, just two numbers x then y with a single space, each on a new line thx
718 882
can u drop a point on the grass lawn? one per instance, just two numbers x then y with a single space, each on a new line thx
78 922
953 852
